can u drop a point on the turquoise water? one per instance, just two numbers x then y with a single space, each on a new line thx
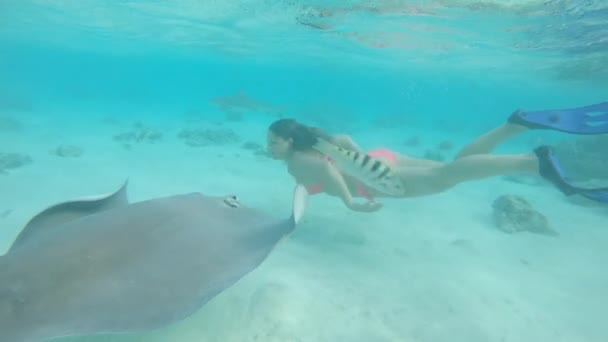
80 73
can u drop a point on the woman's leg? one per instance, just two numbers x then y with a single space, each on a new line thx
480 166
425 181
488 142
473 162
482 145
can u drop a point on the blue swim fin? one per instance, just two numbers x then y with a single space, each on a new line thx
591 119
551 170
599 195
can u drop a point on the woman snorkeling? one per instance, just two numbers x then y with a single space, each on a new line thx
337 166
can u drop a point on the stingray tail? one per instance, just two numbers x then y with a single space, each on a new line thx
300 200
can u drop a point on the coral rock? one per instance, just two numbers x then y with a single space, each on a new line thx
514 214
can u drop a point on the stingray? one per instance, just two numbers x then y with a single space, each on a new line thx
104 265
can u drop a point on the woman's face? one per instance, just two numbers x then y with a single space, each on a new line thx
278 147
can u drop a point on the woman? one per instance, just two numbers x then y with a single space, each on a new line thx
294 142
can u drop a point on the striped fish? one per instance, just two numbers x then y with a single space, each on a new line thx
370 171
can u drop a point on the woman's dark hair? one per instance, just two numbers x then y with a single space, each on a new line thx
303 136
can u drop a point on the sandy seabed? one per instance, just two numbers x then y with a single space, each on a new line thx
425 269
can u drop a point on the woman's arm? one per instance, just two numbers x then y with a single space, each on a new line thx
346 142
335 179
334 183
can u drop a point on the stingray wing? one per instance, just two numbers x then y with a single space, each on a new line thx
58 214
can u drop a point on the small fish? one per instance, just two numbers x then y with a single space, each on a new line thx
5 213
371 171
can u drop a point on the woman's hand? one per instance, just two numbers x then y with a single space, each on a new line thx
366 207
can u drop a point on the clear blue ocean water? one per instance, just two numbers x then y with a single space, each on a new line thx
404 74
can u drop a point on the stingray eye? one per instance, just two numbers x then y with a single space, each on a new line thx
232 201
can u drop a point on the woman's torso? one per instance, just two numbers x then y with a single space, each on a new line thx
311 178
